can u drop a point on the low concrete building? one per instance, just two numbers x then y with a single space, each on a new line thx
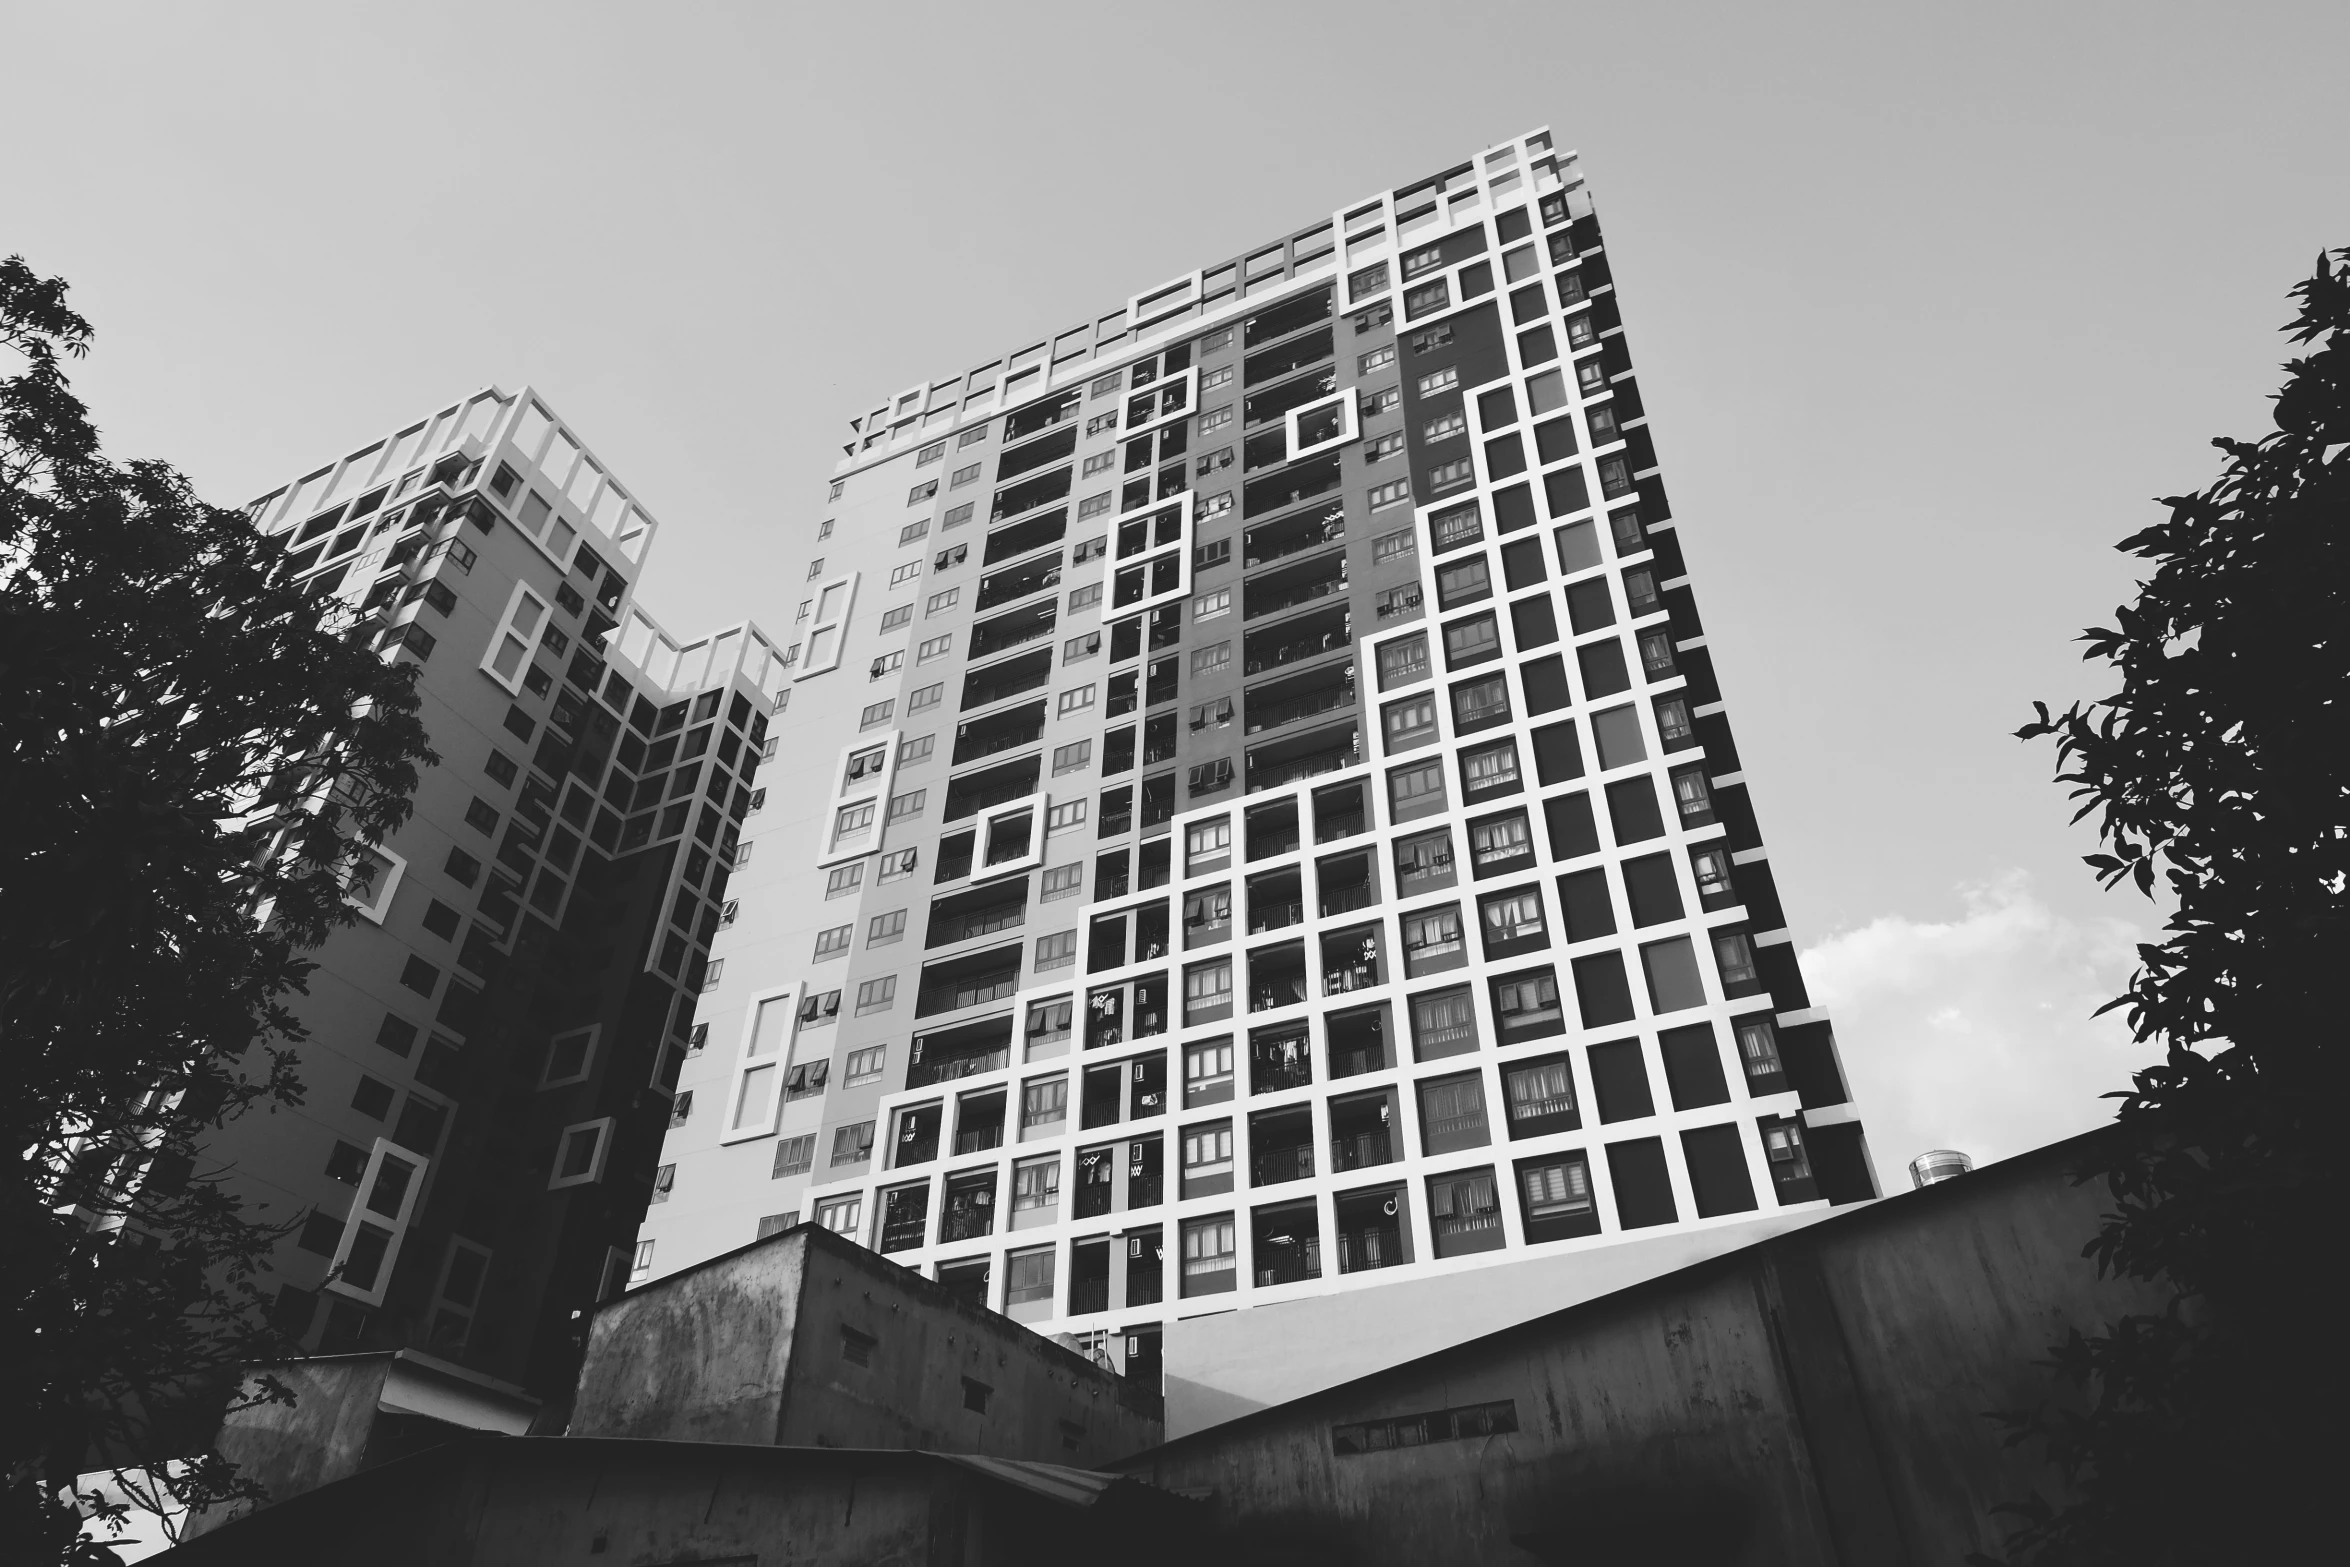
1819 1397
806 1339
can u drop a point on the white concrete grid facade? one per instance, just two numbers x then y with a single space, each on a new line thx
726 1166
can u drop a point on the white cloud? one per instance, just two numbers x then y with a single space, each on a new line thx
1976 1033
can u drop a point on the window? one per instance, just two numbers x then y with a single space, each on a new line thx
927 697
1556 1189
1207 606
1085 598
1501 839
1439 381
947 560
934 647
908 572
877 995
1376 359
1417 790
963 476
1214 553
1366 281
1207 990
892 619
930 454
1471 641
510 645
1211 660
832 943
1062 817
1694 800
816 568
1384 447
1540 1090
1734 955
844 881
864 1066
1207 845
1100 422
878 714
956 516
853 820
1093 465
1215 378
1710 868
906 805
1036 1183
1215 461
1432 933
898 865
1443 425
1208 1256
921 492
1213 714
912 531
794 1156
916 750
1434 338
1758 1047
1207 1072
1490 768
1028 1276
1056 951
1384 401
850 1145
883 929
1215 419
1076 701
1374 318
1390 494
1393 546
1513 917
841 1215
1410 722
1207 1150
938 602
1215 505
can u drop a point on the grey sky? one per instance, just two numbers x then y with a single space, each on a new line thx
1925 303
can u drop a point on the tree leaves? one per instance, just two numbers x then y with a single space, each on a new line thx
183 744
2225 768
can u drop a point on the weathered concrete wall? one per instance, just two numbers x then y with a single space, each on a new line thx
756 1347
543 1501
1818 1397
699 1357
321 1437
1221 1367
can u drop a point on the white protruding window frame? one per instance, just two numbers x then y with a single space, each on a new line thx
735 1126
822 654
587 1060
379 902
360 1213
523 591
601 1126
1041 804
872 789
1350 424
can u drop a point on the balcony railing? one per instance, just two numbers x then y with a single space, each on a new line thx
1272 775
1327 528
1364 1249
1274 916
968 993
1307 643
1291 1264
1362 1149
948 1068
973 747
1289 596
1289 710
979 1139
1089 1295
1351 976
967 1224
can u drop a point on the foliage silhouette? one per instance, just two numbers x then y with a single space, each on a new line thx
189 749
2221 771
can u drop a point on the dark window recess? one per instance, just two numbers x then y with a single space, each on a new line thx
1532 622
1693 1067
1644 1186
1633 812
1467 1423
1619 1079
1717 1171
1586 906
1603 993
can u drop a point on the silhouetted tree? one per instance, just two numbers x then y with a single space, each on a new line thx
2221 770
190 748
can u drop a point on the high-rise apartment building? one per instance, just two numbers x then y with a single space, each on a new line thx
1261 819
492 1046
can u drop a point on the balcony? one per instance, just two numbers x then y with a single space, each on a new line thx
1338 813
1275 402
1276 900
1272 830
1019 673
959 1052
1005 632
1261 546
1277 977
976 792
1037 418
1018 582
1280 1059
965 916
1296 353
1310 695
1350 960
1309 755
972 981
970 1208
1005 731
1292 315
1027 458
1030 494
1290 486
1357 1042
1024 538
1291 641
1344 884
